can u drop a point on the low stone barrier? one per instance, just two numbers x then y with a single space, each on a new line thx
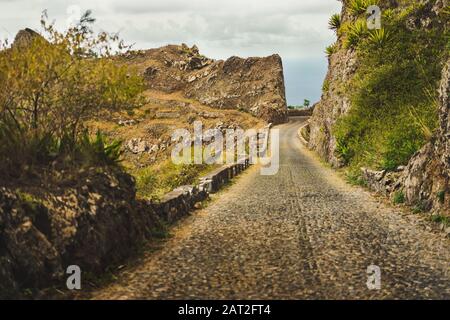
300 113
180 202
301 133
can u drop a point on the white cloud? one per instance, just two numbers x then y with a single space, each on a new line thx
293 28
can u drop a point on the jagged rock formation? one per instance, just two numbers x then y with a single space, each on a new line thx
25 37
254 85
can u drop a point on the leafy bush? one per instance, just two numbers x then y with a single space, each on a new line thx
402 141
420 207
98 150
50 84
355 33
354 177
445 220
399 197
153 182
441 196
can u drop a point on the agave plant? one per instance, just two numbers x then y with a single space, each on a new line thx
388 13
335 22
379 37
330 49
98 150
358 7
355 33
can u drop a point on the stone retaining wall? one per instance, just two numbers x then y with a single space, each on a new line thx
300 113
179 202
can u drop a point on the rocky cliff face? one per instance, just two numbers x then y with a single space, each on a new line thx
343 64
254 85
425 179
334 103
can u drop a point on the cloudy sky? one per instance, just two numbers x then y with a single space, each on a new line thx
295 29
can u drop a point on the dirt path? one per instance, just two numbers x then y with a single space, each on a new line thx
302 234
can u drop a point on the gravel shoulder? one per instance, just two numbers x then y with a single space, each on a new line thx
301 234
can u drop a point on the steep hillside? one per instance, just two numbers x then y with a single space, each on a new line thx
381 104
427 176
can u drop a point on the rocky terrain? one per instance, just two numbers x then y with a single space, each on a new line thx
253 85
147 130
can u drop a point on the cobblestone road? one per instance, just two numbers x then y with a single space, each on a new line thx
302 234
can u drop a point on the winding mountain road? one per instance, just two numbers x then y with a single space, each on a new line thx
301 234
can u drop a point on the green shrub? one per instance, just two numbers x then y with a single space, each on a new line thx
441 196
146 182
50 86
401 142
399 197
343 149
348 132
441 219
154 182
419 207
354 177
388 13
98 151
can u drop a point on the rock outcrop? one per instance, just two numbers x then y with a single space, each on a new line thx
254 85
94 224
424 182
25 37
